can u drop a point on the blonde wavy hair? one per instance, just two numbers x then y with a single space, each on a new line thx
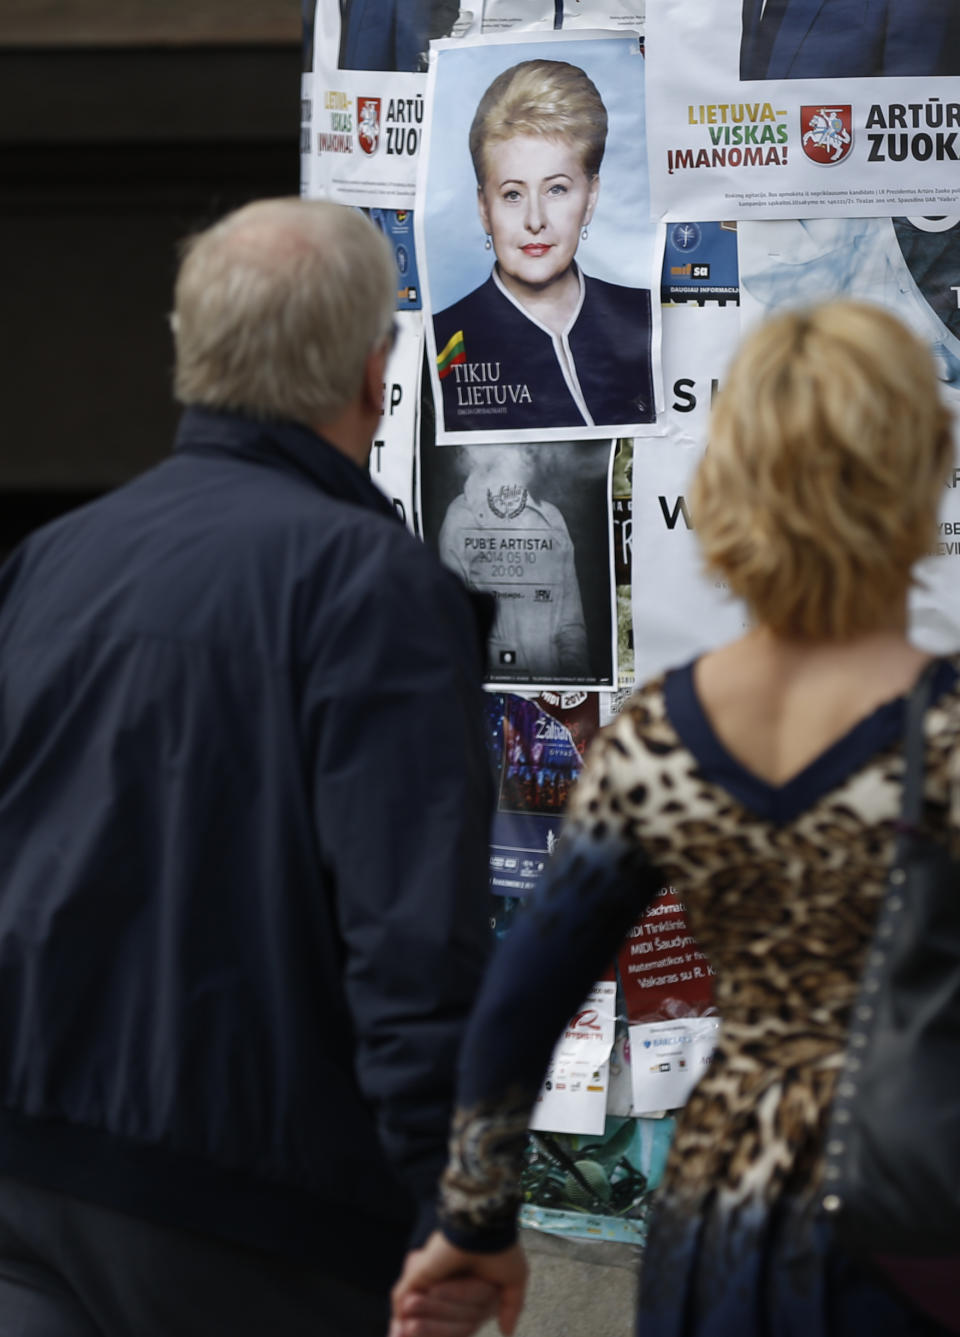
551 98
829 448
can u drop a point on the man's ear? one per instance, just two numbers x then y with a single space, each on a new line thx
374 379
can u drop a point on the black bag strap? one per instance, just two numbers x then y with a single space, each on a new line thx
911 808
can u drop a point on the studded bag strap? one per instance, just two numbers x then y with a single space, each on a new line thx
840 1167
911 808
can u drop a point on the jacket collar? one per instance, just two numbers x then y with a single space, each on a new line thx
288 446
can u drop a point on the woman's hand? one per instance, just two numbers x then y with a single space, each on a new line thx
449 1292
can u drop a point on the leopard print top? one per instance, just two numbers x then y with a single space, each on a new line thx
782 886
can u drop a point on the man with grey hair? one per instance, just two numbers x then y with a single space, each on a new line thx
243 832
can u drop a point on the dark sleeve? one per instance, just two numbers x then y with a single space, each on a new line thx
597 884
403 798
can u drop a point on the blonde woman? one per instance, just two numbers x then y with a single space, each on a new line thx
763 781
540 344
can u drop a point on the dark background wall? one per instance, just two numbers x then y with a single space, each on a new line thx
124 126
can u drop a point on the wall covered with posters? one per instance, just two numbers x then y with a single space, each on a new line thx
589 201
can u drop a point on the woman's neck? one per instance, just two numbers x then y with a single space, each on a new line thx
553 303
778 703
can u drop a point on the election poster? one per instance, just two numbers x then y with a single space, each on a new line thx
501 16
803 108
679 610
910 265
531 524
393 451
366 117
539 266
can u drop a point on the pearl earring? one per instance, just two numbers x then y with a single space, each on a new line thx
583 235
487 244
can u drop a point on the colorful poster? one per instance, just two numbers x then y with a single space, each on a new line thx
700 264
394 444
531 524
573 1096
536 751
537 258
667 1059
397 226
803 108
663 972
910 265
678 609
598 1188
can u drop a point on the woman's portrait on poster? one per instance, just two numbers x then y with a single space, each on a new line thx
541 344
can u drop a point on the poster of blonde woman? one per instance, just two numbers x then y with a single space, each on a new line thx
537 258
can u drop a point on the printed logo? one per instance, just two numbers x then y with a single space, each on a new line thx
565 700
508 501
827 133
368 123
685 236
542 596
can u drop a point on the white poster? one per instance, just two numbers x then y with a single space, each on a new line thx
679 610
803 108
538 263
394 444
365 136
367 123
529 15
667 1059
306 119
573 1098
911 266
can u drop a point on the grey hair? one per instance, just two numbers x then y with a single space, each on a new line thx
277 306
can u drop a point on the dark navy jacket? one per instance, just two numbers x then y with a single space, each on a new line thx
850 39
243 849
514 374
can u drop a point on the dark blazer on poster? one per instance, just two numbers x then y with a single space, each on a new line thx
849 39
607 351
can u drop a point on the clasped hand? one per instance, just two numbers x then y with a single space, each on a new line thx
444 1291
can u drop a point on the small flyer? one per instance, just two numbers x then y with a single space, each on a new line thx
667 1058
573 1098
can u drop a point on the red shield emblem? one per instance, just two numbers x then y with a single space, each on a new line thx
827 133
368 123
